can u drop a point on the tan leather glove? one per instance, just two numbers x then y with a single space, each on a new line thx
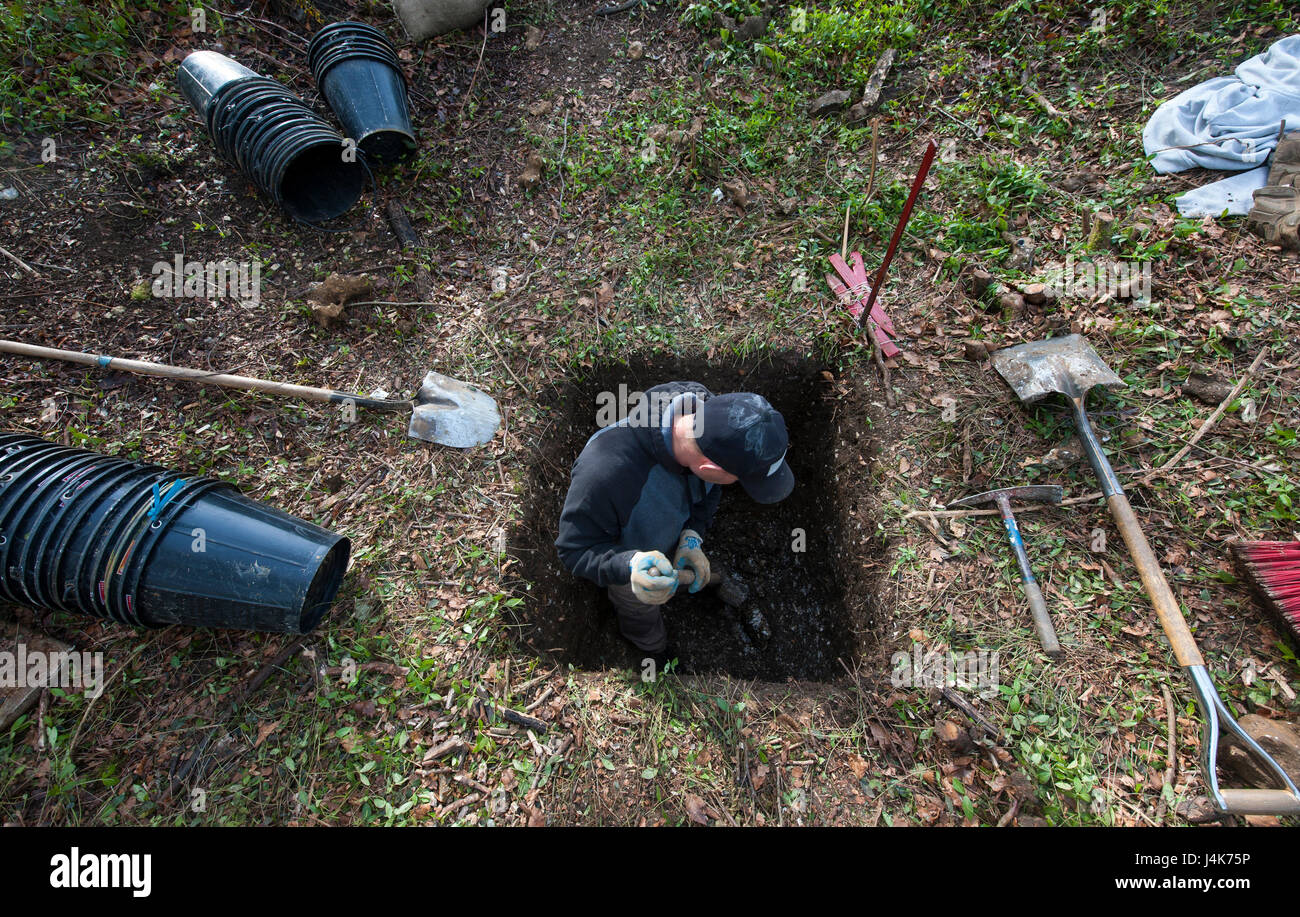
690 557
653 578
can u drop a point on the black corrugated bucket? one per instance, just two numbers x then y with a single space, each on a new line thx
358 72
141 545
315 178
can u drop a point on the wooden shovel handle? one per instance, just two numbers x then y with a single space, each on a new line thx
1153 580
225 380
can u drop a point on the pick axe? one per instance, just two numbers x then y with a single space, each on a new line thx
1036 493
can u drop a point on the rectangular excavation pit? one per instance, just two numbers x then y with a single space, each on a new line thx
805 561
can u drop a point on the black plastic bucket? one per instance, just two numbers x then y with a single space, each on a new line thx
247 115
31 520
22 488
205 73
141 545
357 70
261 567
67 515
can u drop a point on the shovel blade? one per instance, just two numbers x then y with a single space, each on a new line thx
1066 366
451 413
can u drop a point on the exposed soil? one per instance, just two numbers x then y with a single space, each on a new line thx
817 602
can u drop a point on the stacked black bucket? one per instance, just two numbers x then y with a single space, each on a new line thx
289 152
139 544
285 148
356 69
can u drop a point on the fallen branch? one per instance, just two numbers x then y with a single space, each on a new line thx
267 670
454 745
1045 105
510 716
1171 760
880 363
1214 418
965 707
871 94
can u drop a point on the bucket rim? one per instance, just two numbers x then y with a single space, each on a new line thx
328 62
126 592
275 159
84 505
42 523
104 538
15 510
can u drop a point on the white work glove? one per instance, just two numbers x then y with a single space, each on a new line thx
690 557
653 578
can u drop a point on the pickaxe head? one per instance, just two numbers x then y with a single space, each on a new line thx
1033 493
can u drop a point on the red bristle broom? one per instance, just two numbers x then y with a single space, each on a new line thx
1273 568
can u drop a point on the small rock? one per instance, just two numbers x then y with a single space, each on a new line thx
857 113
1078 181
829 102
532 172
975 351
539 108
1022 255
9 194
787 206
1011 303
1035 293
657 132
1065 454
635 50
533 38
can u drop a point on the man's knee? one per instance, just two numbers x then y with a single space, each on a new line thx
640 623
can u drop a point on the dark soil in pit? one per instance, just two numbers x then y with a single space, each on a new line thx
818 603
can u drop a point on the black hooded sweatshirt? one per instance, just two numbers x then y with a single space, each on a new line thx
628 493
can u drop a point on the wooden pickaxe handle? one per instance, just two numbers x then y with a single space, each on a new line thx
687 577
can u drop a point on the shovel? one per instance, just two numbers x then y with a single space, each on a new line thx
444 410
1069 366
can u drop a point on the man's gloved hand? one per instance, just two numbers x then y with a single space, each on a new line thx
653 578
690 557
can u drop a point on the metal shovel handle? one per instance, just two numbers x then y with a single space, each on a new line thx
225 380
1285 801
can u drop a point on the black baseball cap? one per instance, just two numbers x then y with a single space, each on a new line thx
744 435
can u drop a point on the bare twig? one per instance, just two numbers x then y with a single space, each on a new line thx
965 707
18 261
880 363
460 115
1213 418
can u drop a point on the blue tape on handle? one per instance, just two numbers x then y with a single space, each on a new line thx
103 361
161 499
1014 531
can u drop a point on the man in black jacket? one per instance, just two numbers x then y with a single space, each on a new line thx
646 488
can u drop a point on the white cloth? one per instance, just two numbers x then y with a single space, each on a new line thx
1229 123
1233 195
